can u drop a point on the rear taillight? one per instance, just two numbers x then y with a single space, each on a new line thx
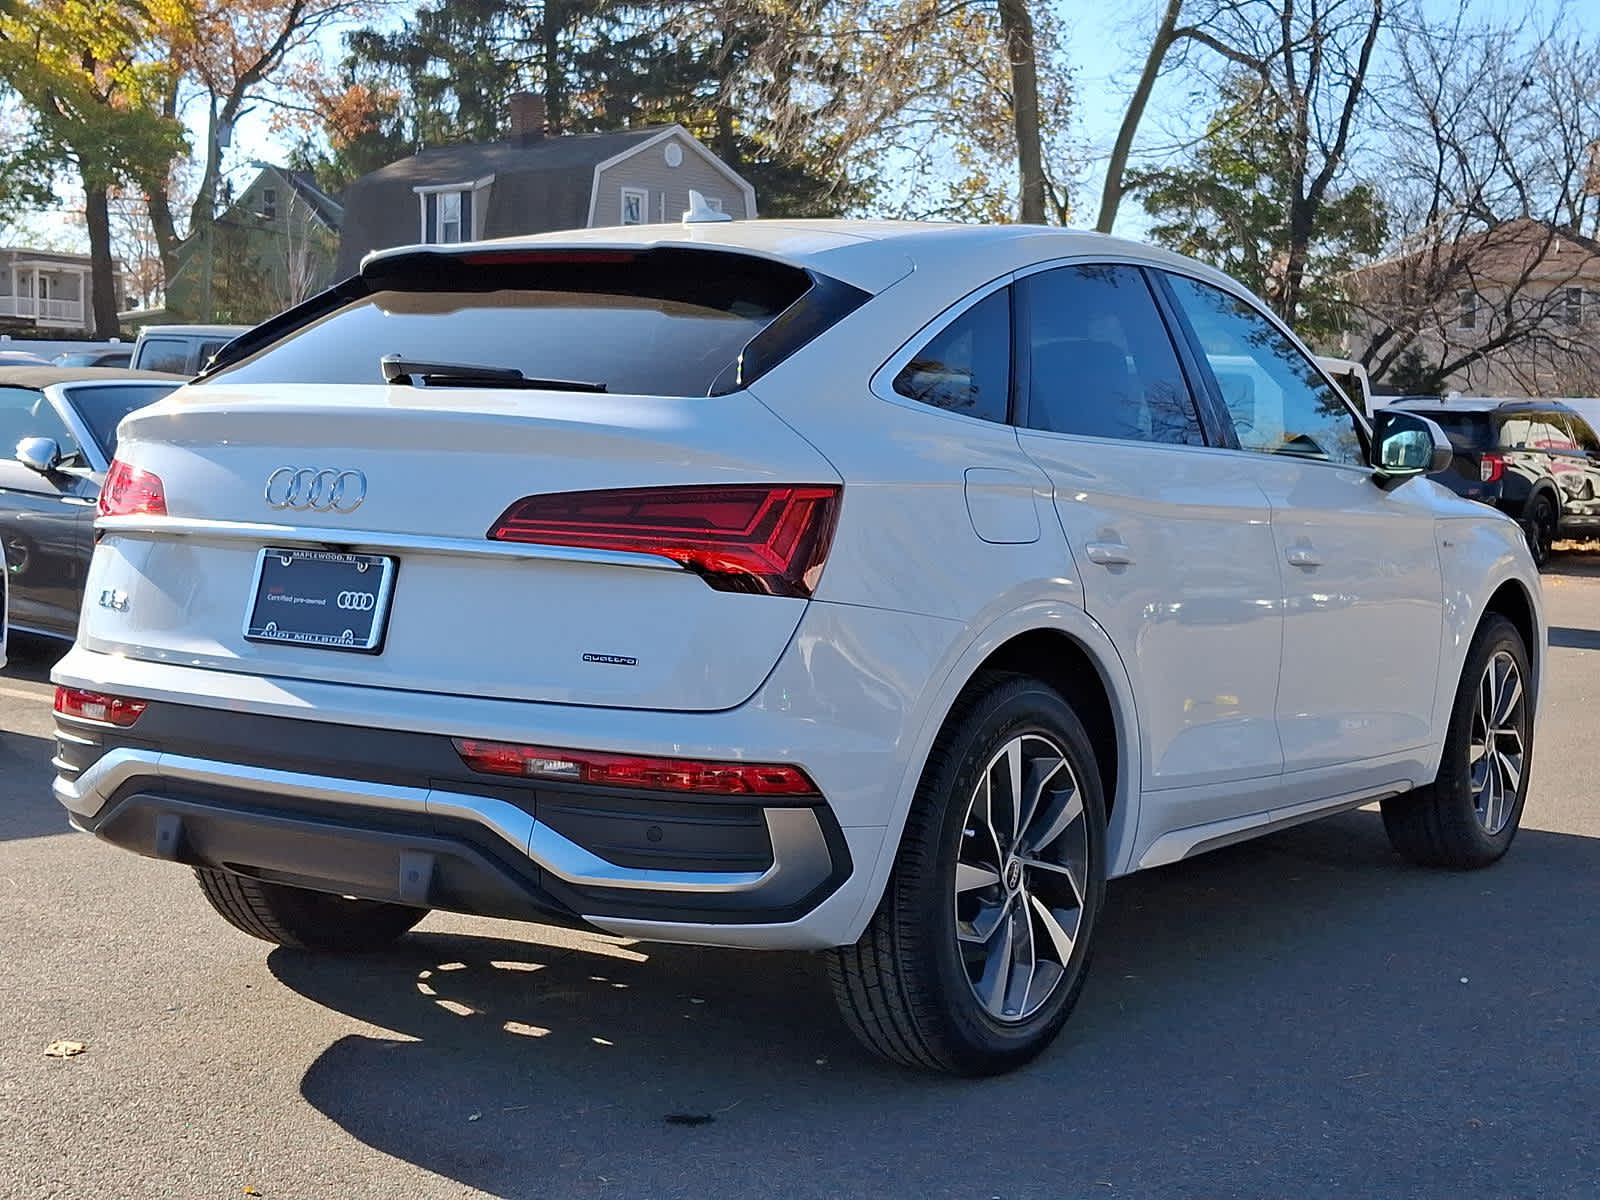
94 706
631 771
129 492
1491 467
738 537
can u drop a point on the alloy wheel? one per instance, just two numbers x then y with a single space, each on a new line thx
1021 874
1497 750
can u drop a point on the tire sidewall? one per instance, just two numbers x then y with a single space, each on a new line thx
1013 708
1454 784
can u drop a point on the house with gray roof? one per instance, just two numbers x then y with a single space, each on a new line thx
534 182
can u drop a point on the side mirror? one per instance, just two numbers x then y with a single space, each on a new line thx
39 454
1405 444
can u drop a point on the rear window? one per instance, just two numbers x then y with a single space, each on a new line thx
102 408
1467 431
164 354
658 322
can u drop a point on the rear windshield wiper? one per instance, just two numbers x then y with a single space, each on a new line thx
404 370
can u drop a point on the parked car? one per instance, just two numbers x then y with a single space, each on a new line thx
22 358
1535 460
866 588
58 430
100 356
181 349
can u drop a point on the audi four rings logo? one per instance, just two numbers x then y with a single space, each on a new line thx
357 601
313 490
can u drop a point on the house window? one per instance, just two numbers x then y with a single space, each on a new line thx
714 203
269 203
1572 306
447 217
1466 310
635 205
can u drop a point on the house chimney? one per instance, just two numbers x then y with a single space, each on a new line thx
527 117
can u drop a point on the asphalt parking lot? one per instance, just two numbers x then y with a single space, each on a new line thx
1303 1016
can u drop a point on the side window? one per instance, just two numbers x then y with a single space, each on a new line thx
25 413
207 349
966 367
1102 364
1583 434
1516 433
1551 432
1279 401
164 354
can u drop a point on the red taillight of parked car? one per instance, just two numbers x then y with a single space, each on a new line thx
633 771
771 539
97 707
1491 467
130 492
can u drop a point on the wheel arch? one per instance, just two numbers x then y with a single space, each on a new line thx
1062 645
1512 601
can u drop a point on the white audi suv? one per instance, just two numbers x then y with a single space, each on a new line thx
874 589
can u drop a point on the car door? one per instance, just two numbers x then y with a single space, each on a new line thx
1586 457
45 518
1173 546
1362 590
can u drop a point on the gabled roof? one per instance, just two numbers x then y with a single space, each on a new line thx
543 184
328 210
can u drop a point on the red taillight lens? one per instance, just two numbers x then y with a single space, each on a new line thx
623 770
1491 468
129 491
93 706
738 537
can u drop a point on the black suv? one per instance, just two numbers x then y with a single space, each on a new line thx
1535 460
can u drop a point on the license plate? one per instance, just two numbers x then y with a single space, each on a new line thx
321 598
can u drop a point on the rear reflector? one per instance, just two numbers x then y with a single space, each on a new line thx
94 706
129 491
647 774
738 537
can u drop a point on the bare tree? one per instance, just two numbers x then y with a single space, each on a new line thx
1492 191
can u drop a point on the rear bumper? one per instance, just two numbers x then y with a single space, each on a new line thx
388 815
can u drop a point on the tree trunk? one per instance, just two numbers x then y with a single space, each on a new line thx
1111 194
167 240
555 83
1302 217
102 271
1017 24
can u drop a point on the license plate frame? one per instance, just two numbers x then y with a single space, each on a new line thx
360 608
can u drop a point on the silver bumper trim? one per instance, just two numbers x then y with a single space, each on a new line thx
800 857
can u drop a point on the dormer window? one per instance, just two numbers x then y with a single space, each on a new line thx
452 212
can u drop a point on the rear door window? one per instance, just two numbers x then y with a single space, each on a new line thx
665 322
1101 362
102 408
966 366
1582 433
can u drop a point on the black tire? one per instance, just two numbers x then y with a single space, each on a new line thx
1540 528
904 988
1439 825
302 919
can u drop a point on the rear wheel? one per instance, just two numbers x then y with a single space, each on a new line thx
980 946
1469 815
1540 528
304 919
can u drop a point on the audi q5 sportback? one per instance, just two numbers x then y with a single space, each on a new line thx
873 589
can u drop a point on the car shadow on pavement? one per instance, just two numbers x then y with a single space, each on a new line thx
30 657
27 809
1301 1007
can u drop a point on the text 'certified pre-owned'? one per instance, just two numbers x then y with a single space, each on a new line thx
312 489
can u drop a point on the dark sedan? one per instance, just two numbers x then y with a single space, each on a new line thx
58 433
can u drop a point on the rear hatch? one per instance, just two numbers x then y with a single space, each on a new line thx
649 545
1471 434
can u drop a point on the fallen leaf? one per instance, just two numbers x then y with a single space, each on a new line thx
477 1116
64 1049
250 1191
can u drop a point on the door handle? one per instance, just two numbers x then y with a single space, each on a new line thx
1109 554
1303 556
